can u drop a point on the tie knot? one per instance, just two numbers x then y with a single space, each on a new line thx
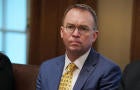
71 67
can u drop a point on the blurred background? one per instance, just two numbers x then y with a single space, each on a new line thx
29 29
14 16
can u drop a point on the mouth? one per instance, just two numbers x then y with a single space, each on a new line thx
75 43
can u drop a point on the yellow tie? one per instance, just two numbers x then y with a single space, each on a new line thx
66 79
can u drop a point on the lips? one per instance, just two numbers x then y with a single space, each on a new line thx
75 43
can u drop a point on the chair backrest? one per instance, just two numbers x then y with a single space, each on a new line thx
25 76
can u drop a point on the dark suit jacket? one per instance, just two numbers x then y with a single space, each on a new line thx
6 74
131 77
98 73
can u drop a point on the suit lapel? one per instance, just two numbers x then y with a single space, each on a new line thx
59 69
88 67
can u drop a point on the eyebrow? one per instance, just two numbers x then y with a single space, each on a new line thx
77 25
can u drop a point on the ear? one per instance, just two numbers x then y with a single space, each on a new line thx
61 31
95 35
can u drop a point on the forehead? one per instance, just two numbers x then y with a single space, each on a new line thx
74 11
78 16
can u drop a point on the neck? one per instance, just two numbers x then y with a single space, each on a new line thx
74 55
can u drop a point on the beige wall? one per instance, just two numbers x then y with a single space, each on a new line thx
115 22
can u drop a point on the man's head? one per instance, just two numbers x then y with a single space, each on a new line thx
79 29
82 7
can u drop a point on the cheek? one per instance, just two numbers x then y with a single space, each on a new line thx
87 41
65 36
92 39
88 38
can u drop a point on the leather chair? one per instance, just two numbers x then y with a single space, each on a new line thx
25 76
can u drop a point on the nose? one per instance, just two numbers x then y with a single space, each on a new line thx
76 33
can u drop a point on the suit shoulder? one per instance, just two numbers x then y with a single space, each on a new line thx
52 61
106 62
134 66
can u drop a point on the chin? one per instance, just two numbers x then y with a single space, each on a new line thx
75 49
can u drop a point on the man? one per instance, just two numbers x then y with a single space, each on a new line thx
92 70
131 76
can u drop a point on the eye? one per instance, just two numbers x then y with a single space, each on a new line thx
70 26
83 28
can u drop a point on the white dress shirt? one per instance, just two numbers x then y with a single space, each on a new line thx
79 62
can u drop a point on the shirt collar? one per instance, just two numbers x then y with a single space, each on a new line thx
79 62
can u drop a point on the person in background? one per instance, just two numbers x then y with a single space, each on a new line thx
81 67
6 73
131 76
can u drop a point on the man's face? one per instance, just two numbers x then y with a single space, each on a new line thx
77 31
